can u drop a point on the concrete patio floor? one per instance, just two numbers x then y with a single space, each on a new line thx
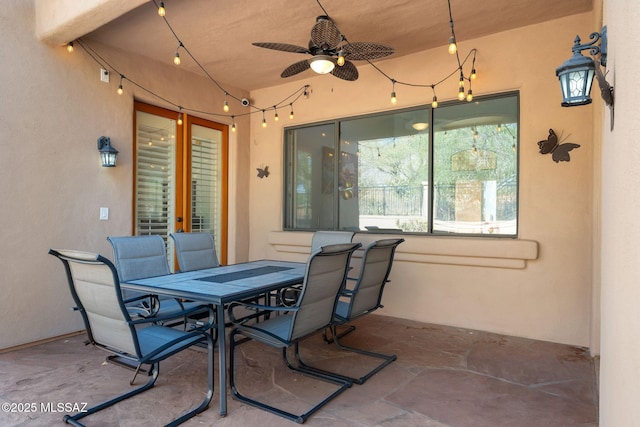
443 377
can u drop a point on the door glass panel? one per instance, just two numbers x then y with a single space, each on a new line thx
206 181
155 171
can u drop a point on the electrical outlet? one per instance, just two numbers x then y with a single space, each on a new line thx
104 75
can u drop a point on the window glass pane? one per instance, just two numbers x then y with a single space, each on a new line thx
453 169
206 177
155 167
310 182
475 167
384 172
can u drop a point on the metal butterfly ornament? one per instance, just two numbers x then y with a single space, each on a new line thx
559 152
263 173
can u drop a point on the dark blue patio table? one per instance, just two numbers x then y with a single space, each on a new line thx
220 286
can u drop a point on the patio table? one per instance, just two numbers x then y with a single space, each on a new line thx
220 286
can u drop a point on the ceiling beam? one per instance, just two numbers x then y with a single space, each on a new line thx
61 21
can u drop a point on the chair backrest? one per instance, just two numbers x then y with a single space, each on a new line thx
195 251
139 257
325 275
93 282
374 274
325 237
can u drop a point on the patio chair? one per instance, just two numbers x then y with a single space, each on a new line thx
139 257
327 237
95 288
363 298
324 277
195 251
320 238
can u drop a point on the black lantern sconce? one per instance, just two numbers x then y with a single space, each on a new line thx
108 154
576 73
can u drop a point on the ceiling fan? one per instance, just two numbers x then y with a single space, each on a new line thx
330 51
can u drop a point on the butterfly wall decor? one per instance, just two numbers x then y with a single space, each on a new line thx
263 173
559 152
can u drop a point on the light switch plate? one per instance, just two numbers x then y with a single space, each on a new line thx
104 214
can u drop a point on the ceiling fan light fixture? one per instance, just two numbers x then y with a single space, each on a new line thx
322 64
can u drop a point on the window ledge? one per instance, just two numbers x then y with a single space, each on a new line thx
464 251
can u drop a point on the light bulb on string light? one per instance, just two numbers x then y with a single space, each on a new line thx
264 120
453 47
225 107
469 95
461 95
434 102
120 88
233 123
161 10
180 117
176 57
70 47
291 112
275 117
394 98
474 75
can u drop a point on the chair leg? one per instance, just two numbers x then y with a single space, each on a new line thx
298 418
154 372
387 359
348 330
73 420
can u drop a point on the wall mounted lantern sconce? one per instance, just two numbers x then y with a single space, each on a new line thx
108 154
576 73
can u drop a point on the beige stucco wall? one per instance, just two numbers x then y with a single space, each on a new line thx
620 364
53 108
548 298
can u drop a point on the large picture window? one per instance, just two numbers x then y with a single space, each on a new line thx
449 170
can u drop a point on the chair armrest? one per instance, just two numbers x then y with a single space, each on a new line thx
259 308
149 310
182 313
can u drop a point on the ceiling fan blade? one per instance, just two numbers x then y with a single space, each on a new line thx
325 34
347 72
359 51
284 47
296 68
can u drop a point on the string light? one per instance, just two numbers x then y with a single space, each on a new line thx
70 47
394 99
469 95
225 107
264 120
474 75
233 123
120 88
161 10
275 117
180 116
434 103
291 112
176 57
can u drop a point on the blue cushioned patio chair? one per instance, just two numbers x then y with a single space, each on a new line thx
195 251
324 277
320 238
139 257
329 237
95 288
363 298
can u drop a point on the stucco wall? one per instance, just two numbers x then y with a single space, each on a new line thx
548 299
620 364
53 108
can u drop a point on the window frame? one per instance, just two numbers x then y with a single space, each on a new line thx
289 171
